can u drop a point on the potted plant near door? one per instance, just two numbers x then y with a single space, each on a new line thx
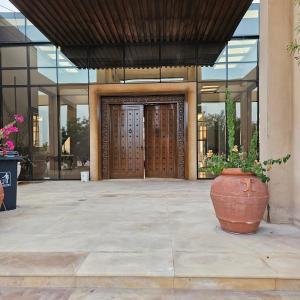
239 192
8 164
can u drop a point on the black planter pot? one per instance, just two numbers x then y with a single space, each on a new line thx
8 177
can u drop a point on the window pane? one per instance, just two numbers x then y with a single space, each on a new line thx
242 51
211 123
74 122
243 71
212 87
12 57
178 74
43 76
216 72
15 101
135 75
12 23
115 75
244 94
72 75
43 56
250 23
14 77
44 133
33 34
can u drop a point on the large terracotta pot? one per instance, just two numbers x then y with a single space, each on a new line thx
1 195
240 200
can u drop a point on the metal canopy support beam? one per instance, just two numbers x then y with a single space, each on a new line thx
144 55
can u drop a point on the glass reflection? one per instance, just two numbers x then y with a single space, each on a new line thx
250 23
112 75
211 127
244 94
14 77
178 74
244 50
140 75
43 76
12 57
243 71
33 34
12 23
74 128
216 72
44 133
42 56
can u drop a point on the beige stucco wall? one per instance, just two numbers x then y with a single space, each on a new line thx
276 102
295 177
280 106
186 88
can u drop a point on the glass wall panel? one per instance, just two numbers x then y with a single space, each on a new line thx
43 76
243 50
212 87
44 133
142 75
15 101
33 34
73 75
178 74
12 57
244 94
74 128
14 77
42 56
216 72
211 125
242 71
250 23
12 23
114 75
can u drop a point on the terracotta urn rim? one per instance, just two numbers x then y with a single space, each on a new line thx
236 172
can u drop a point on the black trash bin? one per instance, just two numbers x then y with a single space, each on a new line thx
8 177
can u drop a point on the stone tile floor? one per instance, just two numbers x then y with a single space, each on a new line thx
163 229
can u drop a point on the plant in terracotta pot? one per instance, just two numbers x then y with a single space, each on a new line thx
239 192
7 145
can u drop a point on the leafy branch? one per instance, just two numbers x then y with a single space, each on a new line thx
294 47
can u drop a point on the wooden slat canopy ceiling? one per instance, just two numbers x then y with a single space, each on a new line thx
136 33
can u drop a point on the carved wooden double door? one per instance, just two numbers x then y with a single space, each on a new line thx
143 140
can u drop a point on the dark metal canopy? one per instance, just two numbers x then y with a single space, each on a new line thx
136 33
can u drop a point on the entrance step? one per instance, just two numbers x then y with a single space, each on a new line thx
141 282
132 270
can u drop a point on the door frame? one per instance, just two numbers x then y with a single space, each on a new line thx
106 101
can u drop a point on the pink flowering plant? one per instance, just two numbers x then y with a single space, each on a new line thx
6 144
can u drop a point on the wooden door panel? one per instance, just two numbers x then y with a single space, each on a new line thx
126 136
160 141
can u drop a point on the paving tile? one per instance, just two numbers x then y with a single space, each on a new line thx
285 265
35 294
152 263
134 218
32 263
235 264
